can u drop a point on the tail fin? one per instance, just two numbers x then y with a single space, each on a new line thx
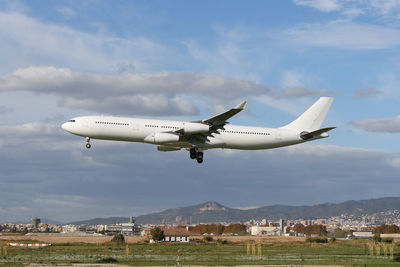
313 117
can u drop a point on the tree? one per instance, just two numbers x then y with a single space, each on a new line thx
235 228
386 229
316 229
299 228
157 234
118 238
337 232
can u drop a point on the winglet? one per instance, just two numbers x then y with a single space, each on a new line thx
241 105
221 119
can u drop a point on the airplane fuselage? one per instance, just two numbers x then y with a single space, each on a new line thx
139 130
214 132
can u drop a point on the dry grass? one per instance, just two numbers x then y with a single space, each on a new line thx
256 239
67 239
89 239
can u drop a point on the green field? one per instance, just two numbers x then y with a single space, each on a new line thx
342 252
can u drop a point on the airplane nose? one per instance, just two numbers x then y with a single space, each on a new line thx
65 126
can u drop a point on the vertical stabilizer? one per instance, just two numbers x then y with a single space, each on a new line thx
313 117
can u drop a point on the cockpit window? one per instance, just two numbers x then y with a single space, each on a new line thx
72 120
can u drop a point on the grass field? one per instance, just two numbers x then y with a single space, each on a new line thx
340 252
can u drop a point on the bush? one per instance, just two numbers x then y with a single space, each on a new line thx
107 260
333 239
223 242
377 238
387 240
208 238
157 234
118 238
317 240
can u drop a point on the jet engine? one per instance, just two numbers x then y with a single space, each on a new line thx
167 148
195 128
160 138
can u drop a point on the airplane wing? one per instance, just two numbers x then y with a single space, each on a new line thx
221 119
198 132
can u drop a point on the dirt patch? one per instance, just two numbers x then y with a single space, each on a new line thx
64 239
256 239
89 239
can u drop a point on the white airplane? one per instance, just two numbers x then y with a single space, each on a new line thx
198 136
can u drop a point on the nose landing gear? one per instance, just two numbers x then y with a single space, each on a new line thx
196 154
88 143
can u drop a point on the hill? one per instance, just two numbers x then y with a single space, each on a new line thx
212 211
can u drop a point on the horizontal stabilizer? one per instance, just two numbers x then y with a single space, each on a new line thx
321 133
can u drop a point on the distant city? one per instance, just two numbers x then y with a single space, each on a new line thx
345 222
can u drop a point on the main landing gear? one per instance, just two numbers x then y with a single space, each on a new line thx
196 154
88 143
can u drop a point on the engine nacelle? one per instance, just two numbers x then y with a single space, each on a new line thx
195 128
167 148
159 138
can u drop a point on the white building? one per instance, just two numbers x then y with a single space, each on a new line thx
363 234
69 228
176 235
396 237
128 228
267 230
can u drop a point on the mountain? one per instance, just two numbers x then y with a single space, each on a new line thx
212 211
206 212
95 221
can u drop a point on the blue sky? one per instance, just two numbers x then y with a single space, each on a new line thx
188 60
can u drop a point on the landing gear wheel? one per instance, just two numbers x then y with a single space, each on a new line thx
193 153
88 143
200 157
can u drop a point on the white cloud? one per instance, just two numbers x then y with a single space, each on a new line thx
43 138
385 7
310 149
15 6
354 8
4 109
321 5
394 162
163 93
366 92
388 125
66 11
238 51
42 164
159 93
346 35
300 91
353 12
390 81
51 44
291 78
